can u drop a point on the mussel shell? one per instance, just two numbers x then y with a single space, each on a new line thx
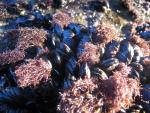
16 100
12 9
3 82
64 56
38 15
85 38
102 51
31 52
135 108
65 48
84 70
111 49
10 76
137 66
122 111
109 64
57 30
145 35
76 28
52 41
57 4
67 84
126 52
56 77
71 65
55 58
145 93
139 28
96 5
80 48
137 54
24 19
134 74
99 73
68 38
145 74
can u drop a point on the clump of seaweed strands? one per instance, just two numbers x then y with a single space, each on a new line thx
118 90
11 56
80 98
90 54
135 39
30 37
105 34
16 100
62 18
33 72
14 43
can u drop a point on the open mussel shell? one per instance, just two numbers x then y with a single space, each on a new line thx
109 64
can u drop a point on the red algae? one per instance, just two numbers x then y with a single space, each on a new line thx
91 54
17 41
119 91
80 98
62 18
105 34
33 73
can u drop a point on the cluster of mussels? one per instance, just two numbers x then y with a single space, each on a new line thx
50 64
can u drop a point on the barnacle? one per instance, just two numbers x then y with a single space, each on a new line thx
33 73
62 18
90 54
14 43
118 90
80 98
105 34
